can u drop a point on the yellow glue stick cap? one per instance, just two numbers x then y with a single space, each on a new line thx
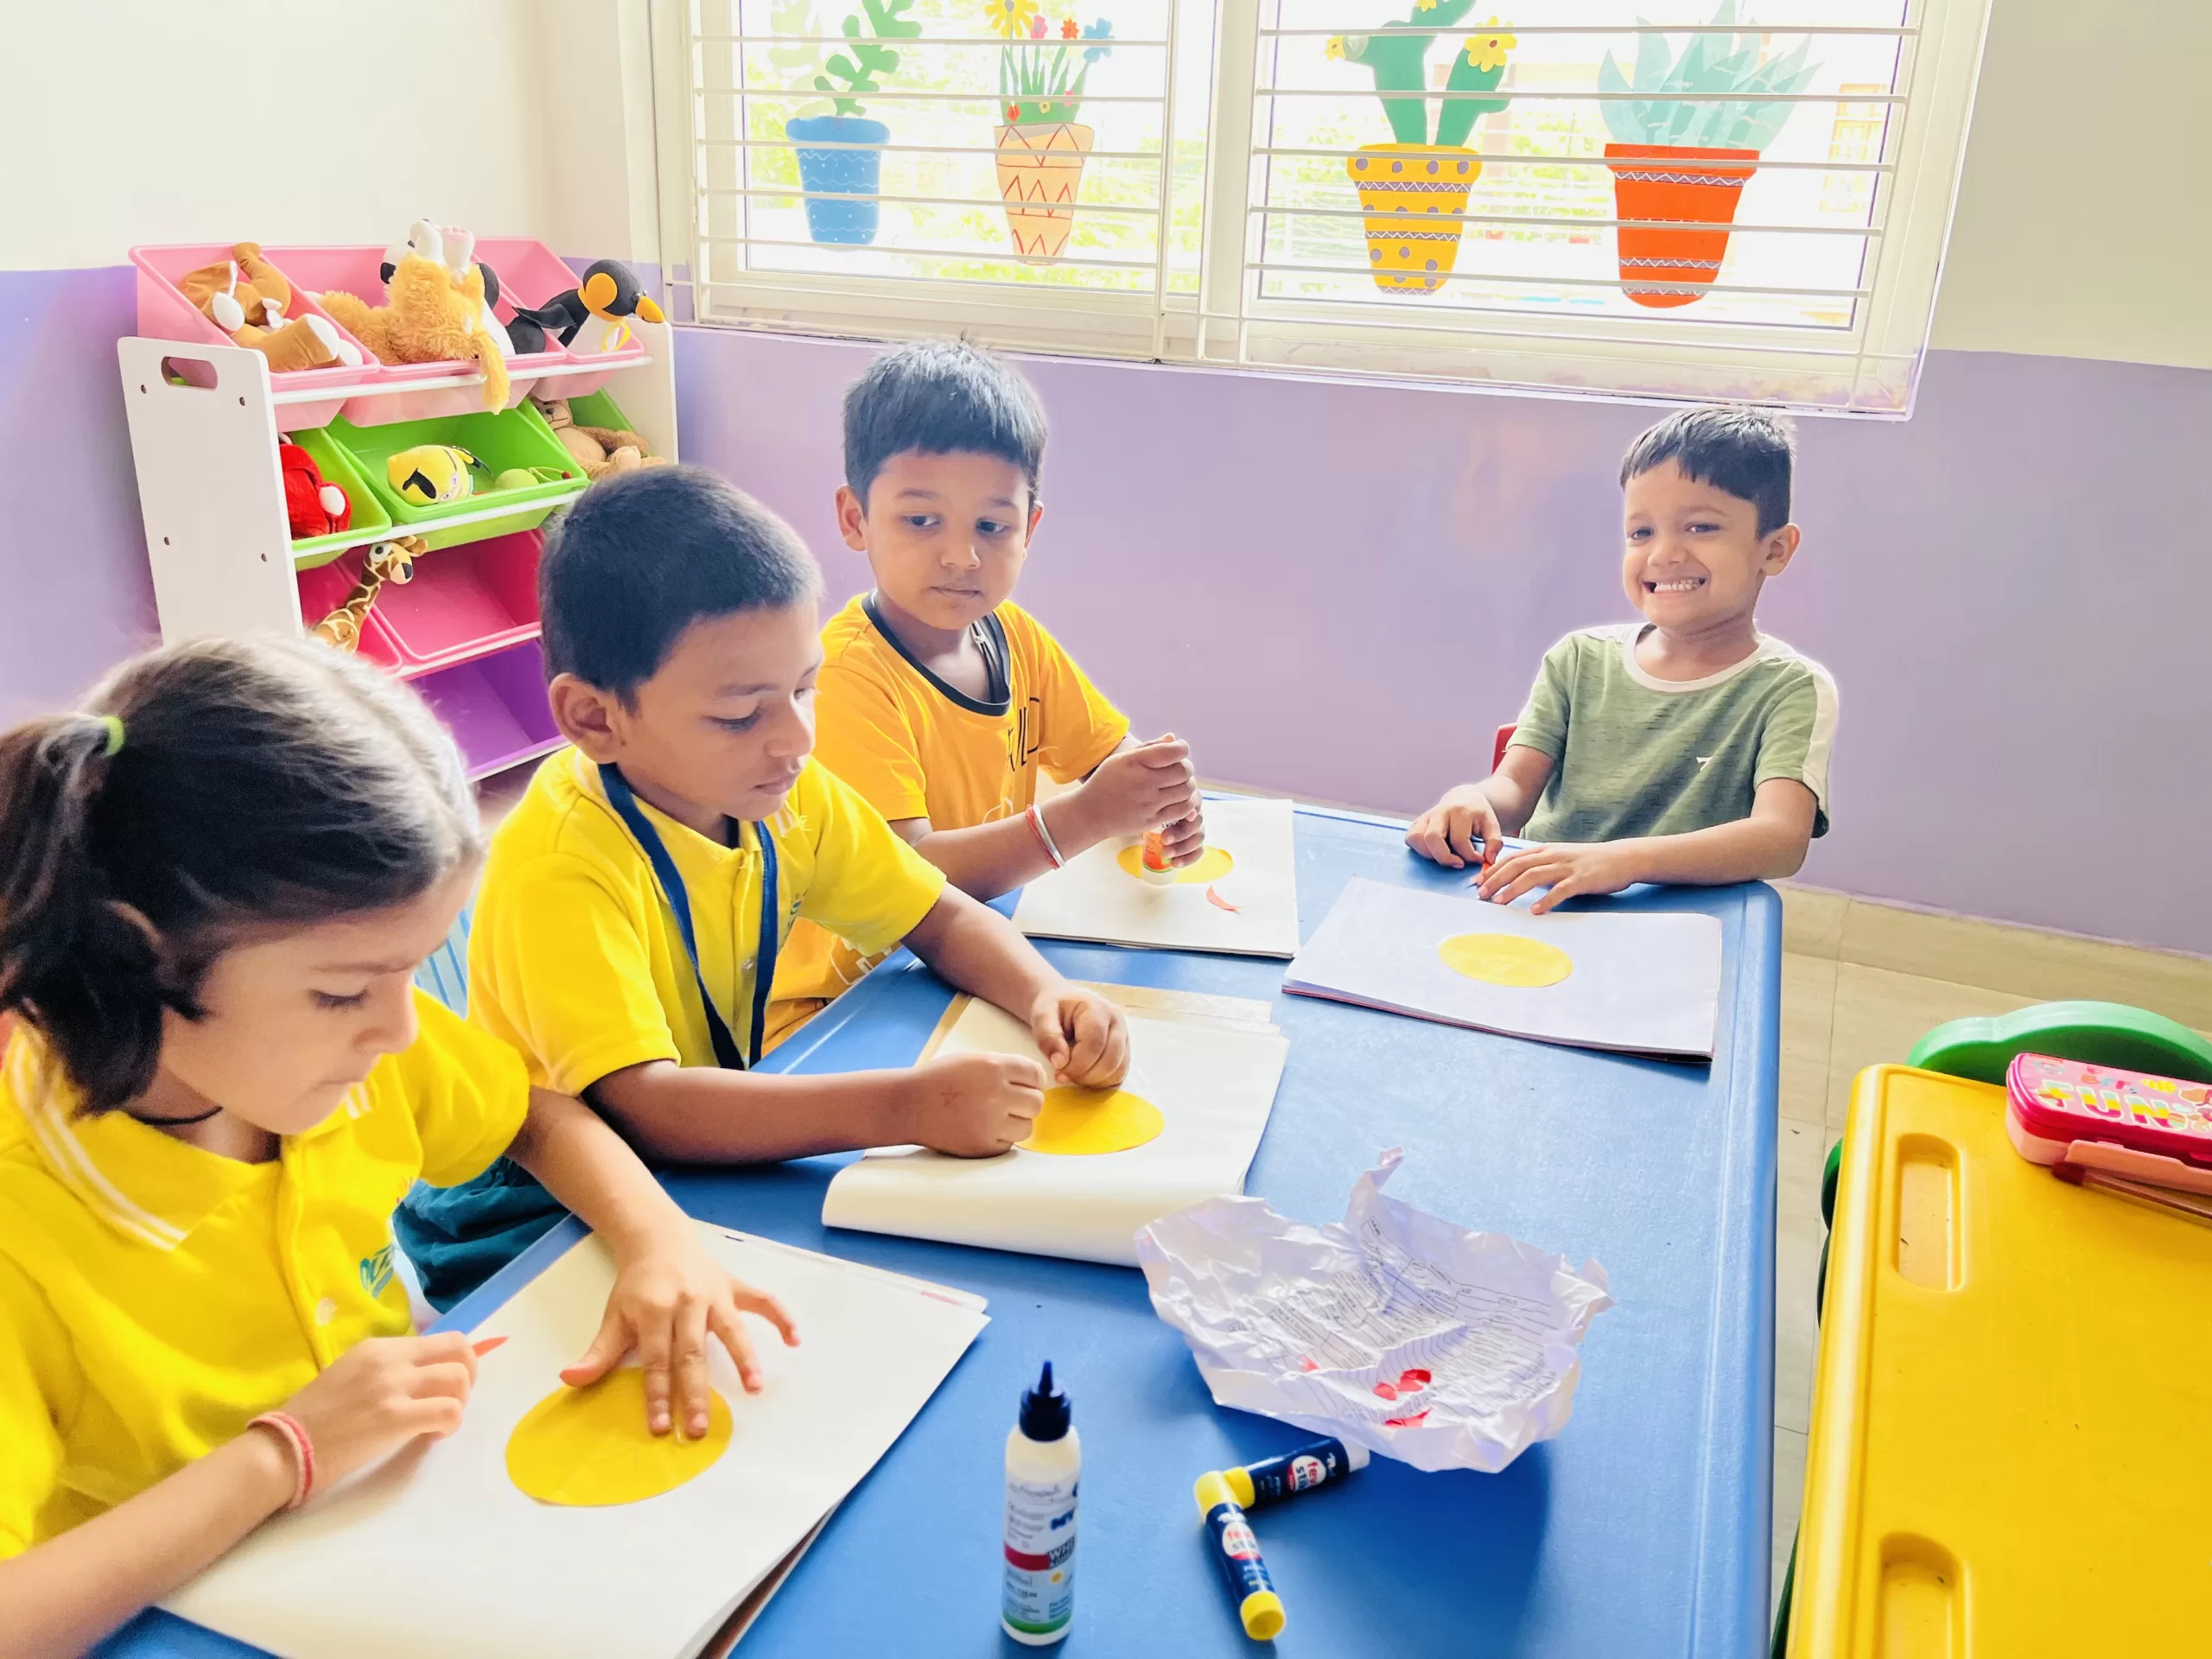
1240 1486
1262 1615
1212 1489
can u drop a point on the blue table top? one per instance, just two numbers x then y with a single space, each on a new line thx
1643 1529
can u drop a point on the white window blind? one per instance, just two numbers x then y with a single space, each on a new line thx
1713 202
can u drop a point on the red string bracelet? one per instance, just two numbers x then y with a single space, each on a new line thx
289 1429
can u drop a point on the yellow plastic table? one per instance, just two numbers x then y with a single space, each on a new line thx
2011 1439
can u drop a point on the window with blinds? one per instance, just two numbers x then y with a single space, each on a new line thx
1726 201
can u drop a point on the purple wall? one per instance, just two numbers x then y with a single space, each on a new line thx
75 596
1341 590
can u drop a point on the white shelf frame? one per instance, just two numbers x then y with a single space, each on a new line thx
212 494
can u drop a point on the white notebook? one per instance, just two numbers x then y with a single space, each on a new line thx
437 1554
1240 899
1206 1067
1640 982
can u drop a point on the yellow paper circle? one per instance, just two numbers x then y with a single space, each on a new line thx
1210 865
1077 1122
590 1447
1505 959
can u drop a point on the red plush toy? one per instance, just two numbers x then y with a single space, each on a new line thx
315 506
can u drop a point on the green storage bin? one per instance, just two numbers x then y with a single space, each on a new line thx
505 438
371 522
599 408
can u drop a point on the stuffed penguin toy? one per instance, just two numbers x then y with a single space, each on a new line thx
609 295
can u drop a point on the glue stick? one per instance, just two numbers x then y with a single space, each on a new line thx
1299 1470
1236 1552
1153 860
1043 1459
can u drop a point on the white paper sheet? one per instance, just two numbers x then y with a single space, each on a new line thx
437 1555
1642 981
1213 1079
1392 1330
1093 898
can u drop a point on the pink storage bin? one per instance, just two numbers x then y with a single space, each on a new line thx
323 589
165 314
465 601
531 273
360 271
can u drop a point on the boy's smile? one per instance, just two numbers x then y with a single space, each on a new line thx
1695 559
944 534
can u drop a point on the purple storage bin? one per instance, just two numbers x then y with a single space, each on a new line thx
165 314
495 706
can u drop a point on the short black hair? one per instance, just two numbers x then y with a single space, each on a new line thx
1747 452
644 554
941 398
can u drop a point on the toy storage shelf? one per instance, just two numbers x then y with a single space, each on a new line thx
205 421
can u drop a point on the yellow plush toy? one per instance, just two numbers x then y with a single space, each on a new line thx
436 311
430 473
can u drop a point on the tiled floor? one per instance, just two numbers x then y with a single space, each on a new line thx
1850 999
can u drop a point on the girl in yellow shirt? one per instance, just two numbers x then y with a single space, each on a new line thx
218 884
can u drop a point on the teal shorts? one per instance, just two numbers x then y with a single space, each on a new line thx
458 1236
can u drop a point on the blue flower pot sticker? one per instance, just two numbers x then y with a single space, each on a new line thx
828 174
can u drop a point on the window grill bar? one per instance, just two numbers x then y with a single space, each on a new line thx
1521 97
1524 279
973 256
1558 222
814 95
1491 158
1054 38
1905 31
800 193
919 149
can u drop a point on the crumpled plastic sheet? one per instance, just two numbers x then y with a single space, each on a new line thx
1392 1329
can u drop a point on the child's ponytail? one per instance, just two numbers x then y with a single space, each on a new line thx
212 787
82 966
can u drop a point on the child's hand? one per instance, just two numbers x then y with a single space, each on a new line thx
1085 1038
381 1394
1566 868
1448 830
1140 789
1185 840
975 1105
668 1299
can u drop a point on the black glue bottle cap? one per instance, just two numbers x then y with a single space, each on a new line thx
1044 1410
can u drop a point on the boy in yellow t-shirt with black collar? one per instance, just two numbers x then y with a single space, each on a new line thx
940 699
638 897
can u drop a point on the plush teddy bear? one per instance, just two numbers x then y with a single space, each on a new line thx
247 297
598 449
435 313
313 506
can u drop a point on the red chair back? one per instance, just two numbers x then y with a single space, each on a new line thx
1497 755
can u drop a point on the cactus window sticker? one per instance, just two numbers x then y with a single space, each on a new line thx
1683 155
839 153
1413 190
1042 70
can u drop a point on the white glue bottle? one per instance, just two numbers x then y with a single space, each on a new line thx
1043 1459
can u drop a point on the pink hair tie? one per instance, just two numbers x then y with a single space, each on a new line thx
294 1433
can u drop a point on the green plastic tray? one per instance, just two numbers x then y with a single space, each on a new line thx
599 408
502 439
371 522
2096 1034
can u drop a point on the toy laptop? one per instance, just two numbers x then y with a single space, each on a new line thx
2152 1129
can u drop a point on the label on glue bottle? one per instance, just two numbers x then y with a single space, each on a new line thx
1044 1460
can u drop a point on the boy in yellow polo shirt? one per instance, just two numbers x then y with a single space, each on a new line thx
940 699
637 899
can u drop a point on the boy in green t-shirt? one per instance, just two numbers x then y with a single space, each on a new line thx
1688 747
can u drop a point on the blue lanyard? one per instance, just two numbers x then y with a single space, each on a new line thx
671 888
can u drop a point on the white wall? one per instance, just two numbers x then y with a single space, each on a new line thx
151 121
2084 223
